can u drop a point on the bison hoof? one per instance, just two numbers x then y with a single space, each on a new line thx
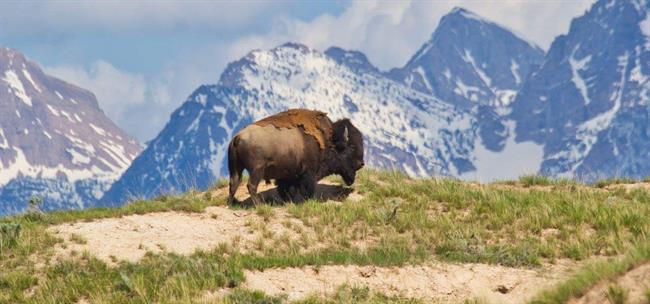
255 200
233 201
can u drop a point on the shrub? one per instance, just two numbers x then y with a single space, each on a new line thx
9 234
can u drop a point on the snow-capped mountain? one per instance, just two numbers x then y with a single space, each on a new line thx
449 121
55 141
403 128
473 63
470 60
354 60
589 102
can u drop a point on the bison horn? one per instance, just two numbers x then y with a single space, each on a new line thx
345 134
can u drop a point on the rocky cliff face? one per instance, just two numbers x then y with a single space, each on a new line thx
588 103
476 64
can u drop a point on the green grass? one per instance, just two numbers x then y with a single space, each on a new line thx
535 180
488 224
344 294
243 296
9 235
615 181
400 221
355 294
34 245
265 211
538 180
617 294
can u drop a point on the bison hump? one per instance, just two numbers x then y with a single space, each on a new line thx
313 123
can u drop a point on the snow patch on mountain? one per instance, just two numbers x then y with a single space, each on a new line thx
467 57
4 144
31 81
576 66
514 69
515 159
14 82
644 25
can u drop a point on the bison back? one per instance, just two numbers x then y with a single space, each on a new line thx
280 152
313 123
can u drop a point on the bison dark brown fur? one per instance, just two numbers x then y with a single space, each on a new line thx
293 158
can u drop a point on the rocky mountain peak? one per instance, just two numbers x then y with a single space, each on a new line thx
354 60
588 102
54 132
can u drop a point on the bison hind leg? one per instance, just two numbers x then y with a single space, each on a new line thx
253 181
235 180
235 170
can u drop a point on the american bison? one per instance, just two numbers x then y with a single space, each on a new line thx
297 148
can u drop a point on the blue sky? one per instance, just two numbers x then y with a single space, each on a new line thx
143 58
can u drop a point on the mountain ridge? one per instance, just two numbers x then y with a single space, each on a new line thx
594 82
55 142
293 75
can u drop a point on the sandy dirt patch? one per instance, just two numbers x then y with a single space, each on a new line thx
131 237
629 187
436 281
635 281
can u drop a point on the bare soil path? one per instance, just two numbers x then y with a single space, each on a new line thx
436 281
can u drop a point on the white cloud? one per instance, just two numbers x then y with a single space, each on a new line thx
115 90
390 32
139 105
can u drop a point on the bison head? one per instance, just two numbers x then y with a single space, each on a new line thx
348 142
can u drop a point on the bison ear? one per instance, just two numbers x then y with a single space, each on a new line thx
345 134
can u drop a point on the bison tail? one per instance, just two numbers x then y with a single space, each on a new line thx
234 169
233 162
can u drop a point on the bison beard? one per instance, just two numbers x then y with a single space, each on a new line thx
296 148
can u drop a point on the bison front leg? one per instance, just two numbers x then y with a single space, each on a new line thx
254 180
307 187
285 187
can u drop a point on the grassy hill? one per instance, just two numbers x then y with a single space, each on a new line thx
530 227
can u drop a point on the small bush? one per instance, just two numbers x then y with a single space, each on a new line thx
9 234
266 212
34 204
534 180
617 294
246 296
76 238
614 181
